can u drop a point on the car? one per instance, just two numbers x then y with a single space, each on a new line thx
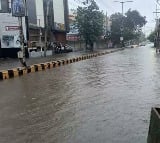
142 44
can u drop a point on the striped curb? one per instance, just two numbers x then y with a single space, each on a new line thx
15 72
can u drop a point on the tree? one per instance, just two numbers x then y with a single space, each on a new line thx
90 23
132 23
116 27
151 37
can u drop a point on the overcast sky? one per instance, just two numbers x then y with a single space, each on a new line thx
145 7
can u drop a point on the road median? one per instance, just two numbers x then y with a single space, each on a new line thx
19 71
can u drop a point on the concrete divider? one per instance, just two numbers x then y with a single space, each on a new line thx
6 74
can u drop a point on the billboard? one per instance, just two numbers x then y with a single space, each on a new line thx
18 8
59 17
9 31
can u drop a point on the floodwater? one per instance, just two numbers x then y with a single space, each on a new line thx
107 99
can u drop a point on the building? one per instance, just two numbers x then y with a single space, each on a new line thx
73 34
48 14
44 19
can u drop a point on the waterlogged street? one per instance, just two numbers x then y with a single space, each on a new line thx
106 99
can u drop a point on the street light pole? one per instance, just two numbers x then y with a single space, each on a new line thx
122 3
40 35
122 24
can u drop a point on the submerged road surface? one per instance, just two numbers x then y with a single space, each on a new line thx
101 100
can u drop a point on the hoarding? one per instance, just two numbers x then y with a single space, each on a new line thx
59 18
18 8
9 31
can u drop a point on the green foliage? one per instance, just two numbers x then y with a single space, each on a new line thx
151 37
132 23
90 22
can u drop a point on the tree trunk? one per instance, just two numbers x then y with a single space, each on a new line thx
91 46
86 45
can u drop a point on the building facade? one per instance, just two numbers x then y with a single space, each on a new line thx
41 16
50 15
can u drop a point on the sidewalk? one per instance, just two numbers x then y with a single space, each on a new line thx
12 63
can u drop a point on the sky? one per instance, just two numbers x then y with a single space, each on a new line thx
145 7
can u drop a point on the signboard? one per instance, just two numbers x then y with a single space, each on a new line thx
121 38
10 37
9 31
12 28
18 8
10 41
59 18
73 38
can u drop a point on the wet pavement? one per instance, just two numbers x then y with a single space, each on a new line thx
106 99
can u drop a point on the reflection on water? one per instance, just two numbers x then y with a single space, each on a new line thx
104 99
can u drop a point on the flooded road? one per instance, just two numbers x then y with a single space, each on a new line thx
101 100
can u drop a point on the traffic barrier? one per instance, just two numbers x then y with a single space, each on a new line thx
29 69
59 63
71 61
43 66
6 74
74 60
36 68
50 65
67 61
10 73
55 64
20 72
24 71
63 62
32 69
77 59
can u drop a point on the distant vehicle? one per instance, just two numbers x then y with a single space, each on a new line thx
142 44
62 48
68 48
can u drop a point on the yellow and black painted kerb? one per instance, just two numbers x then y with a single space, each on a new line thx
7 74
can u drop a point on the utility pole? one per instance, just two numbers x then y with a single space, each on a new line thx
122 3
21 54
46 27
122 24
20 13
26 22
27 29
40 35
157 39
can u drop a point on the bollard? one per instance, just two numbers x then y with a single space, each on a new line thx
154 128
